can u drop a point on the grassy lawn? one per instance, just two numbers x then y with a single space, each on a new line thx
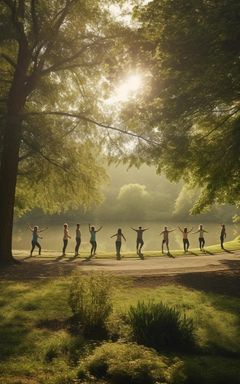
37 346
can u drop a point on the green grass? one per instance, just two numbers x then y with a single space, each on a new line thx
36 345
233 245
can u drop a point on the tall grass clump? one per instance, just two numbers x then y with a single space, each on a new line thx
90 299
161 327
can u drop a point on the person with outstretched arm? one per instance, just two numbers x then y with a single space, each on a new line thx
93 240
165 240
119 236
185 233
201 239
35 236
139 241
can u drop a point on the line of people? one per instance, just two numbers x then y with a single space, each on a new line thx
119 236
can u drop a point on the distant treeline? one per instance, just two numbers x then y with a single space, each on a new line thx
141 195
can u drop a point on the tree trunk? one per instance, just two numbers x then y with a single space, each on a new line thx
8 178
10 151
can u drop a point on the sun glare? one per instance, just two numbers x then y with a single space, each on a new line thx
127 89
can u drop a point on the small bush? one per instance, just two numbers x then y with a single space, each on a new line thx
129 363
90 299
161 327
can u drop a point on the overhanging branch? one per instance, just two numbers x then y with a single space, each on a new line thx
92 121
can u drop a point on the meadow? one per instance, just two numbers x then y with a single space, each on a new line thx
39 345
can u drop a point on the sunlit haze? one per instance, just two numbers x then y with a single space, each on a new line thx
127 89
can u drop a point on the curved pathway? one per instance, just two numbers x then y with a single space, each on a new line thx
46 267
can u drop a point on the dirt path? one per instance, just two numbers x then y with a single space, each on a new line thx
218 273
45 267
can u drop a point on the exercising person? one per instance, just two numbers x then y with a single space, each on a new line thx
165 240
139 241
201 239
66 236
78 240
35 236
119 236
93 241
185 233
223 235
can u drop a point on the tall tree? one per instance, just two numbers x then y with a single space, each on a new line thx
191 106
52 56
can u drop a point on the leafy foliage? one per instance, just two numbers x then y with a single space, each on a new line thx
161 327
54 56
130 363
90 299
191 105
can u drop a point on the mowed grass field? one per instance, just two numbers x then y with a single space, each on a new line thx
37 345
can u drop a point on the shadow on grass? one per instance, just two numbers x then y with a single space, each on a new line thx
73 258
227 250
13 340
221 282
28 257
208 252
59 258
225 282
169 254
32 270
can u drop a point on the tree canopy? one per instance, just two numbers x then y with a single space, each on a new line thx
191 106
53 58
66 45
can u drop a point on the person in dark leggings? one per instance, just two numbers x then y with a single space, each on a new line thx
93 241
35 236
185 233
201 239
78 240
223 235
118 242
66 236
139 242
165 240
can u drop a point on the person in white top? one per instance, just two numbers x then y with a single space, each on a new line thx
35 236
185 233
165 240
201 239
66 236
78 239
119 235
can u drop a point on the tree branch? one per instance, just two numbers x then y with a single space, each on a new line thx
58 65
51 161
8 59
92 121
34 19
221 123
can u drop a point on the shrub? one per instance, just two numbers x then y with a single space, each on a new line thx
129 363
161 327
90 299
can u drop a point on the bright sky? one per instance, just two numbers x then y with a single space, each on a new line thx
132 83
127 89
